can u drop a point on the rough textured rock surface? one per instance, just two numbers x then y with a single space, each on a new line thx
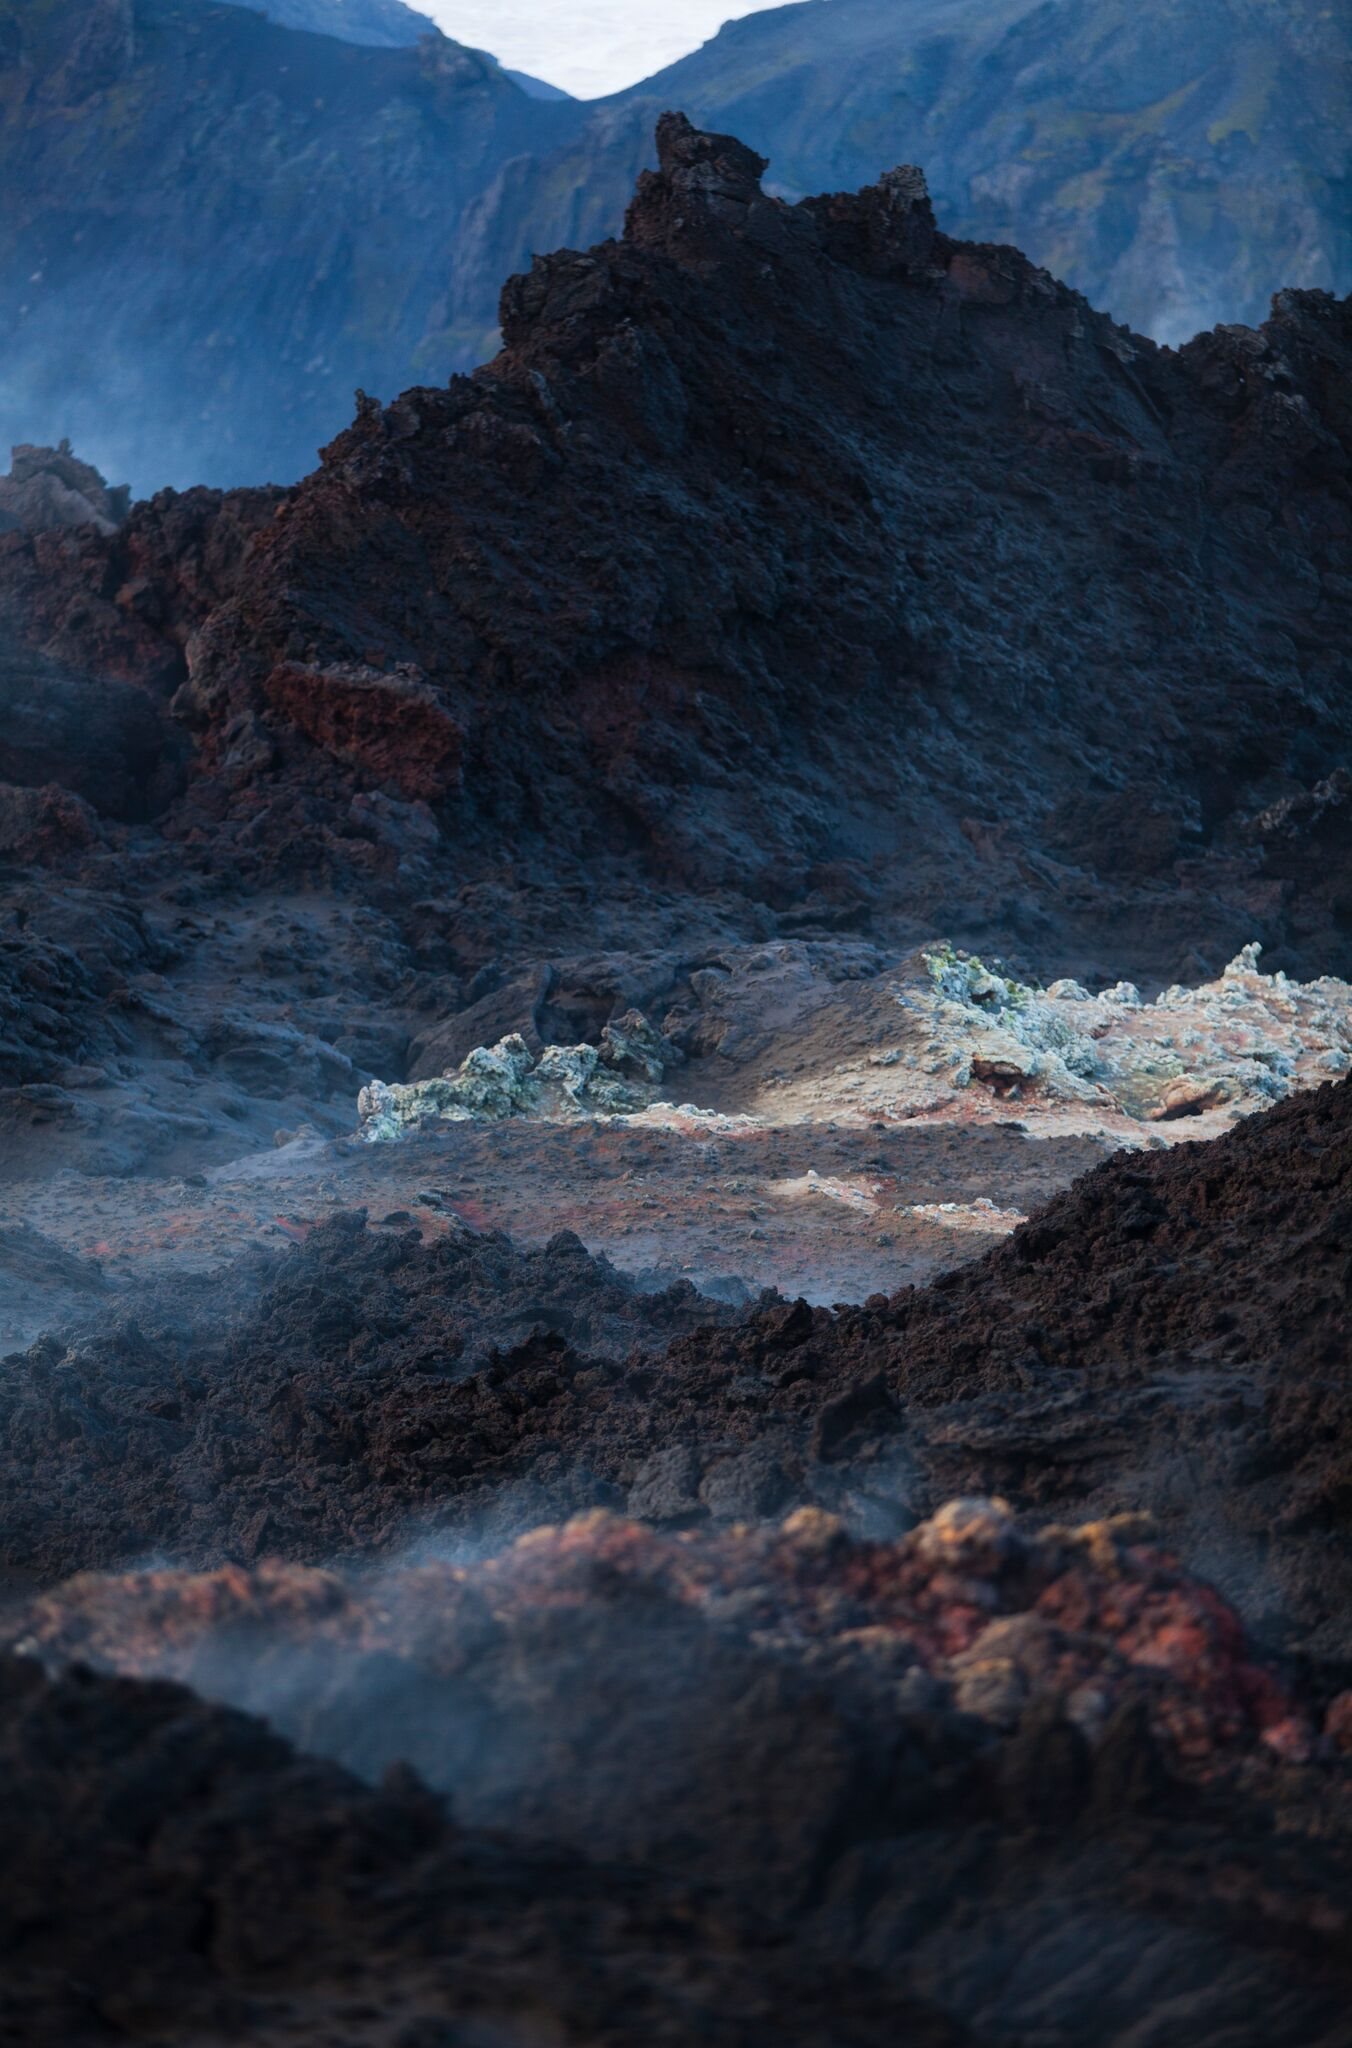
406 1319
172 1870
988 1779
1067 1834
97 608
48 487
797 587
689 595
1170 1336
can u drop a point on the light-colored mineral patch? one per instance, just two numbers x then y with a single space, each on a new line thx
1239 1043
817 1117
562 1083
983 1216
942 1037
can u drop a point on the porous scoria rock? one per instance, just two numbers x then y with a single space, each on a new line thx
972 1609
1170 1333
38 823
918 1760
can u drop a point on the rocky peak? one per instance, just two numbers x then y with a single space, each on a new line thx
707 189
51 487
701 180
886 230
709 166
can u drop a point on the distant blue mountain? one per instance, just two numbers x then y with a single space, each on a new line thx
381 24
537 88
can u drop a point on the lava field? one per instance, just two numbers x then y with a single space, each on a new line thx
676 1180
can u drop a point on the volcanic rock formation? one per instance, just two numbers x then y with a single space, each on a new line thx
742 599
692 589
799 586
948 1774
1166 160
172 1870
51 487
1173 159
1169 1336
1029 1780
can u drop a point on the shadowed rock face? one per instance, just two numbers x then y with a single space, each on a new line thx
1176 160
792 555
1168 160
173 1870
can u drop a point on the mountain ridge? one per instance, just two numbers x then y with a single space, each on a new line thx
378 24
403 184
749 582
1156 159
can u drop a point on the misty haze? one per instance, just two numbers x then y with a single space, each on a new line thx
675 1024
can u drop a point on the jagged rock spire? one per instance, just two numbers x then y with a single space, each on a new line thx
703 180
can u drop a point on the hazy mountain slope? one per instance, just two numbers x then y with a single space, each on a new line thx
213 229
1175 160
383 24
536 88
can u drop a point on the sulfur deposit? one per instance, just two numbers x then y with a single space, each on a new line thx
1239 1043
508 1079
